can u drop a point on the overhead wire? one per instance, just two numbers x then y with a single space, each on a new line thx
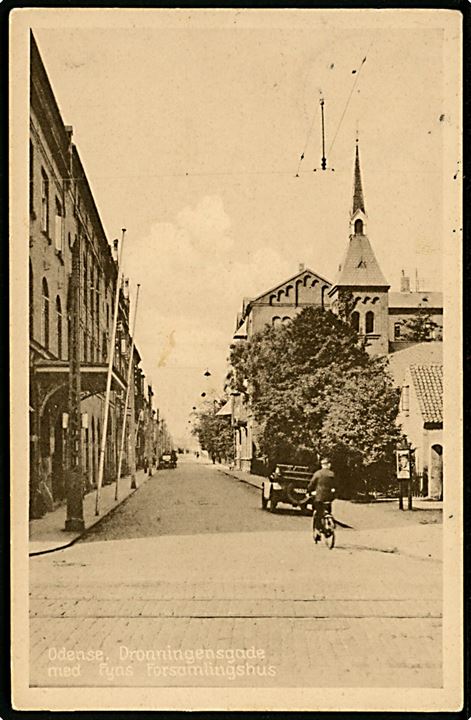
306 143
357 77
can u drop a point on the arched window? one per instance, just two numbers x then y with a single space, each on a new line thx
358 227
286 320
59 327
45 315
369 322
276 322
31 301
355 320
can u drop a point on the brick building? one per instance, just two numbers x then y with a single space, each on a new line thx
63 215
379 316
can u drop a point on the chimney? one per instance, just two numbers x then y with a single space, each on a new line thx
301 267
405 283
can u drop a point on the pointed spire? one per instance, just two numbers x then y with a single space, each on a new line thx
358 201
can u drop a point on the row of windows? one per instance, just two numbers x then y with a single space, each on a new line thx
369 321
91 275
278 322
45 214
90 340
355 320
46 315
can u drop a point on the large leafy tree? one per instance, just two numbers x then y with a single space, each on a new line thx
313 389
421 327
214 432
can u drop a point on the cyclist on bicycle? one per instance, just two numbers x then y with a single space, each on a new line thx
322 487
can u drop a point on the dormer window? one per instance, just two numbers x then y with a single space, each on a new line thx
358 227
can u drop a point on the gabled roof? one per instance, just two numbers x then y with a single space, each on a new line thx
421 298
241 333
360 267
428 386
226 409
300 274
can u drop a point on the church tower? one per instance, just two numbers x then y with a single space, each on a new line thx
360 292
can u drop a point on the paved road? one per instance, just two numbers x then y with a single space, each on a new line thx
189 582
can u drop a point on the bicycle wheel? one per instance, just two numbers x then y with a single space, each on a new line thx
329 531
315 532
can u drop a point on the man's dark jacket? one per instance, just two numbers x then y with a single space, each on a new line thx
323 482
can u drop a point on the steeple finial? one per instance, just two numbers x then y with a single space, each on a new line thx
358 201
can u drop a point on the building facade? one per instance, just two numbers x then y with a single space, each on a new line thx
65 224
387 322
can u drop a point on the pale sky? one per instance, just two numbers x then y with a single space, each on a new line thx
191 136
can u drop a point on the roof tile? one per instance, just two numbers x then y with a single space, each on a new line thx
428 385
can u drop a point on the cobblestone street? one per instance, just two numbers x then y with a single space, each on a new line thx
189 582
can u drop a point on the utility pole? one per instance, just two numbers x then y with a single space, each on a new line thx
132 434
148 429
74 488
323 160
126 402
108 380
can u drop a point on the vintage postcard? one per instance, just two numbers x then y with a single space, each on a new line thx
235 252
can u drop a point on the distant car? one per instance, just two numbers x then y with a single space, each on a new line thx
166 461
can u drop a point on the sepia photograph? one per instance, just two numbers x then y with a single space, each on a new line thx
235 261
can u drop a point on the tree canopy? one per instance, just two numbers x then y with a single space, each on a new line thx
214 432
314 390
421 327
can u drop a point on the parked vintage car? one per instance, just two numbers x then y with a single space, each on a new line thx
287 484
166 461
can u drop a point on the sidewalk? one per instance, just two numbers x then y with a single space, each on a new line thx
357 509
47 533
